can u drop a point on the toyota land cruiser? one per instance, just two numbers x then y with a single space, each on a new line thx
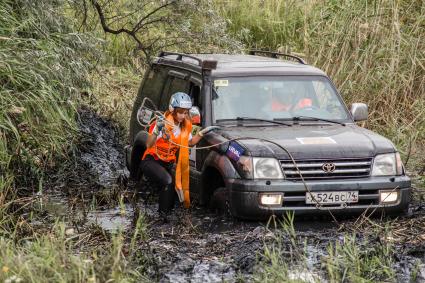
286 140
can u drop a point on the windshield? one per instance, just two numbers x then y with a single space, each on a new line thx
276 98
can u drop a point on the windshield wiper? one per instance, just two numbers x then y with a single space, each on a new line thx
255 119
298 118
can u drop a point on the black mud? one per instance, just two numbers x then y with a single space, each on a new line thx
194 245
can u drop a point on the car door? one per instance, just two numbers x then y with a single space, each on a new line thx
195 95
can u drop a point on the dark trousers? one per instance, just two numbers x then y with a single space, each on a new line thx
159 172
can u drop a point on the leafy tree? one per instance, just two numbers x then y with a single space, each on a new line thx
187 25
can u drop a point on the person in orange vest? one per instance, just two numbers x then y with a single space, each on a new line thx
280 103
163 143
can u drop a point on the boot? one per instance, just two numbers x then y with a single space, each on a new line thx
166 199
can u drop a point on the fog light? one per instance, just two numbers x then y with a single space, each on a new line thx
388 196
271 199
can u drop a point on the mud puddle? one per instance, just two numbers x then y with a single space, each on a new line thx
193 245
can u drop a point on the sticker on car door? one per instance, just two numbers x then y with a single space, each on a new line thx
234 151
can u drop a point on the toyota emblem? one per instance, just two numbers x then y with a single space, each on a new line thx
328 167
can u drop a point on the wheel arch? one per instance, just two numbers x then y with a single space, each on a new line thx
216 169
138 149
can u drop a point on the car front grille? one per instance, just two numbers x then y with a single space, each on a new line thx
320 169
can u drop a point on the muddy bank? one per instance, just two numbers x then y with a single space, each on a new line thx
97 163
197 245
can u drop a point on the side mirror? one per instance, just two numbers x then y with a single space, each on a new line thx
195 115
359 111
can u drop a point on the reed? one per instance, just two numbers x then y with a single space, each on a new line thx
372 50
42 68
359 260
347 256
58 256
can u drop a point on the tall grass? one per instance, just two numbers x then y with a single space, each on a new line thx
354 260
373 50
43 64
345 257
53 257
113 92
283 254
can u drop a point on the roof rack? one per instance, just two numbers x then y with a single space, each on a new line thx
204 64
276 55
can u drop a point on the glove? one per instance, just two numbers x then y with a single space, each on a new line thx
207 130
159 125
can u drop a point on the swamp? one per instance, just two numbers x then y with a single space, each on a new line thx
70 71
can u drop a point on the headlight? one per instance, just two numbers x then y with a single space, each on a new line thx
266 168
384 165
388 196
271 199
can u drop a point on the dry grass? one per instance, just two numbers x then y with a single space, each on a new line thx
113 92
373 51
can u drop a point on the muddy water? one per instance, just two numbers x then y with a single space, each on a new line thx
193 245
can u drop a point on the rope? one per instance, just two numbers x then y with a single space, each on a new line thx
319 206
307 189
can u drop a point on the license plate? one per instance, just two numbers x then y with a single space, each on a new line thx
332 197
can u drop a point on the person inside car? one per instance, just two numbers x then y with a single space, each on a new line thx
285 99
168 136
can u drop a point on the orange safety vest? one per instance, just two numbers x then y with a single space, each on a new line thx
278 106
165 150
305 102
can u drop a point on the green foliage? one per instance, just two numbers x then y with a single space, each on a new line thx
140 29
352 260
266 25
52 258
283 255
43 64
373 50
287 257
113 93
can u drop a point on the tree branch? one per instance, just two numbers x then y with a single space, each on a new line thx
107 29
139 24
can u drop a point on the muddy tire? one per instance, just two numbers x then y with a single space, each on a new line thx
220 201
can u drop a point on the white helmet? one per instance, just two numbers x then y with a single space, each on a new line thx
180 100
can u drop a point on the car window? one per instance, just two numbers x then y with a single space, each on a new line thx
153 84
172 86
195 94
326 100
151 87
276 97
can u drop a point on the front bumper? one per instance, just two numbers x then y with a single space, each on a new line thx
244 196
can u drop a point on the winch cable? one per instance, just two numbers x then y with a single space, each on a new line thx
159 114
319 206
307 189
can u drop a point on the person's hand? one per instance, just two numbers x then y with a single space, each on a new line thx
207 130
159 125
